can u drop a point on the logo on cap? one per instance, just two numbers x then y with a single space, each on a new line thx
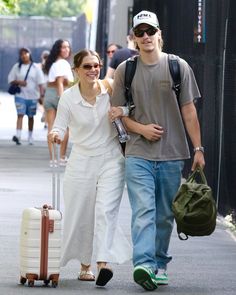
144 15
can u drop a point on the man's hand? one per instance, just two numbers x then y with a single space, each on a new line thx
152 132
198 160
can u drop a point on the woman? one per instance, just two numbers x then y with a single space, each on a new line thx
44 56
60 76
29 77
94 176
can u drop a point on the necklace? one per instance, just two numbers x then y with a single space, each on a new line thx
90 97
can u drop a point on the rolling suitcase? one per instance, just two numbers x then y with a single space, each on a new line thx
40 238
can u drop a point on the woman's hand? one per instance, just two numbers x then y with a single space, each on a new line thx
53 137
114 113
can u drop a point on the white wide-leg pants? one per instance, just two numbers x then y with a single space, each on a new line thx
93 188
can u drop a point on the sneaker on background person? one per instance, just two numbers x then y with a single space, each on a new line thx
52 164
63 161
30 141
16 140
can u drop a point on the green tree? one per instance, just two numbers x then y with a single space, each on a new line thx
51 8
9 7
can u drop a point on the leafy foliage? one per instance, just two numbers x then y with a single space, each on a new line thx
9 7
51 8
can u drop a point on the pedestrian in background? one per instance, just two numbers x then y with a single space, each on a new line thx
111 49
121 54
60 75
94 175
157 147
31 90
44 56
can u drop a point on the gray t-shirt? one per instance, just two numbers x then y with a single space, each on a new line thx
156 103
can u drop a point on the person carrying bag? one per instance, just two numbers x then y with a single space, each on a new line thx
27 93
15 88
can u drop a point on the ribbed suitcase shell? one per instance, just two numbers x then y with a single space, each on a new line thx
31 243
40 236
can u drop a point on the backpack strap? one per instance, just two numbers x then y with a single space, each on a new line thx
175 73
130 69
107 85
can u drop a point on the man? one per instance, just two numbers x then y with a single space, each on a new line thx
157 147
121 54
111 49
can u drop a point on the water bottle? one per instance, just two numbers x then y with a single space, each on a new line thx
122 133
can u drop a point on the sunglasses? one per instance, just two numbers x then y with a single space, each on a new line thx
110 51
150 32
89 66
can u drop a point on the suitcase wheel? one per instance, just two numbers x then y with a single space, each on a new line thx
23 280
54 284
30 283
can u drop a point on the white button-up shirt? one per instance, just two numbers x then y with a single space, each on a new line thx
91 131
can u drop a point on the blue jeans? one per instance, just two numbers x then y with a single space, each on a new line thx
152 186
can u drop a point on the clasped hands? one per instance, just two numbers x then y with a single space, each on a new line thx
53 137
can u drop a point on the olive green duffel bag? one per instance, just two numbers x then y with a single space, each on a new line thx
194 207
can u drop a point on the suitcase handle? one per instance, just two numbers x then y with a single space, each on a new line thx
56 176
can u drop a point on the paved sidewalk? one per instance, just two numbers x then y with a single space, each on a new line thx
203 265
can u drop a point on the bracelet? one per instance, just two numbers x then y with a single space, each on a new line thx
125 111
199 148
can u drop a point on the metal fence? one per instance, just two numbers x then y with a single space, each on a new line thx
38 34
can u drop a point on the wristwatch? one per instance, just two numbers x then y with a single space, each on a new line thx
199 148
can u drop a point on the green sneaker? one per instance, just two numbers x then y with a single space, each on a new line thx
145 277
162 277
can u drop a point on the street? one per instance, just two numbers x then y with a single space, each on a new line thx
200 265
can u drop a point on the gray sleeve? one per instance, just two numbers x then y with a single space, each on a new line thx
118 95
189 88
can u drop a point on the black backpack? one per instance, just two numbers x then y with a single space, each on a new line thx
130 69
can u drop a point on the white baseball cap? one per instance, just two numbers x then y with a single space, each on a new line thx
145 17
